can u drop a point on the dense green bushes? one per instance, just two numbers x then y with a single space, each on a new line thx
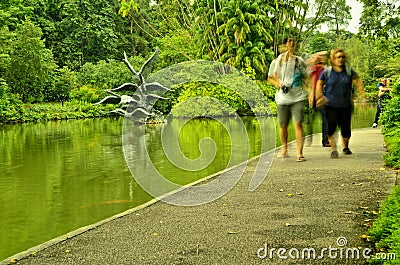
392 139
51 111
107 74
390 117
385 232
204 100
87 94
30 64
371 89
10 105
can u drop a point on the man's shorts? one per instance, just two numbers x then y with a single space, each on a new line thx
296 110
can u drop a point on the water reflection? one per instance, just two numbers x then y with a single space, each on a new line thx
189 150
59 176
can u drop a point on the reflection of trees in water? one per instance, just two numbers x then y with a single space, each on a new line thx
197 141
60 175
363 115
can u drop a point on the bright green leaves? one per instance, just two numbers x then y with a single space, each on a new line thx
240 26
128 7
31 64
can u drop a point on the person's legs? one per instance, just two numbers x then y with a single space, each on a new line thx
299 138
332 142
297 110
377 114
331 117
344 120
283 134
283 112
345 142
325 141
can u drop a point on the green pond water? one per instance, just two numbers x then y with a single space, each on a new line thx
56 177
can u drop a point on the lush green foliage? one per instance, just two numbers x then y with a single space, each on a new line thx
106 75
392 139
177 46
391 120
269 91
202 99
87 40
86 36
11 109
64 81
385 232
221 81
45 112
237 33
79 31
70 51
380 19
86 94
31 63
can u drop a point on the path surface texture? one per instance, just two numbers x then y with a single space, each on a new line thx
321 204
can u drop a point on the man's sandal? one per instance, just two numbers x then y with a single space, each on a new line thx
301 159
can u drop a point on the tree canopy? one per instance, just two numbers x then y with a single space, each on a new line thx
68 34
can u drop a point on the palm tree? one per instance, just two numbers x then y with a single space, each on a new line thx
245 35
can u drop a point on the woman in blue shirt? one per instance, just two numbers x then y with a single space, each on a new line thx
335 92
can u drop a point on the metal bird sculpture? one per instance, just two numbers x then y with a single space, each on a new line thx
125 87
137 103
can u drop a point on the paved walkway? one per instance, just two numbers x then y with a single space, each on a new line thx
299 207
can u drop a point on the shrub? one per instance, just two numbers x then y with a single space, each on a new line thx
390 117
105 75
202 107
64 81
392 140
87 93
385 232
269 91
11 108
211 93
70 110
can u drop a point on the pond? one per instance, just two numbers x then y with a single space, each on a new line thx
59 176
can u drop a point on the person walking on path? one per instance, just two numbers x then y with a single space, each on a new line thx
335 92
289 75
383 94
316 65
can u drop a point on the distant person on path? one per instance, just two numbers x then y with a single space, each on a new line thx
335 92
383 95
316 65
288 74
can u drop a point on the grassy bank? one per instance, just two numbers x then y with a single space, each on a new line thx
385 231
57 111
